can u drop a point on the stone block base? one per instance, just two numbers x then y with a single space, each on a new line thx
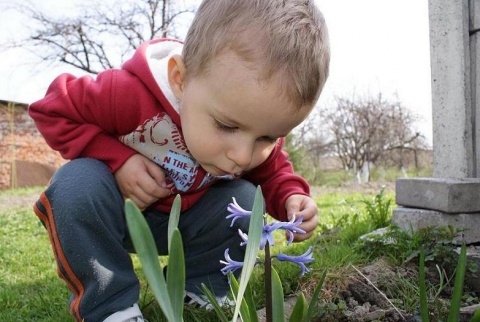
441 194
413 219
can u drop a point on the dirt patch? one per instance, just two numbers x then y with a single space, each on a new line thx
366 295
366 188
26 200
363 298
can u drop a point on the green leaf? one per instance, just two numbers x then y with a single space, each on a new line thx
315 296
476 316
278 302
211 298
254 235
299 311
176 273
146 249
173 219
454 314
423 287
252 306
245 310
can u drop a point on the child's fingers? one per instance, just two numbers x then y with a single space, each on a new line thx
159 188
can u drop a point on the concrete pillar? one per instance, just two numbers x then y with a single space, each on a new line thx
451 89
474 31
452 196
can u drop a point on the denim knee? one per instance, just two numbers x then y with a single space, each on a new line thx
83 184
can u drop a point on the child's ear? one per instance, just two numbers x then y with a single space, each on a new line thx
176 75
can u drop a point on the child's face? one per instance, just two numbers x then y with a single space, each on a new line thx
230 121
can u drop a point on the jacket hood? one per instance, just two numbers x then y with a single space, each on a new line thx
150 64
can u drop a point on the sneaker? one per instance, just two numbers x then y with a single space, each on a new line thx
131 314
201 300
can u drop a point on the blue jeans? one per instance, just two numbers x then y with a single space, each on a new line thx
83 212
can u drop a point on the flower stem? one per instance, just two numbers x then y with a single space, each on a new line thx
268 283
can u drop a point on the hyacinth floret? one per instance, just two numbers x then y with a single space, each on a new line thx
236 212
290 227
230 264
301 260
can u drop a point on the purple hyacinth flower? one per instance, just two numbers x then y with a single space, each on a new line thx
292 227
244 237
289 226
301 260
230 264
236 211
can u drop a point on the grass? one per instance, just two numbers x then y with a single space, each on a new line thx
338 177
29 287
31 291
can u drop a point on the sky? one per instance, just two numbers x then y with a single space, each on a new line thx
377 46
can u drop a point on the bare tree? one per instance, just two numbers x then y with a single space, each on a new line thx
306 145
101 34
404 141
311 136
367 131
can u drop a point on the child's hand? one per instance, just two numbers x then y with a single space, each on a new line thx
141 180
305 206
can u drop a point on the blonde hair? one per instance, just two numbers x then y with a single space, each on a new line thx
284 38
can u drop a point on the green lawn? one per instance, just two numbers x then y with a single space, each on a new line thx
29 287
31 291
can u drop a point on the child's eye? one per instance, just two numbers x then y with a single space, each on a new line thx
224 127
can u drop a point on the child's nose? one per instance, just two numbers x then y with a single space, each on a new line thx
241 155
